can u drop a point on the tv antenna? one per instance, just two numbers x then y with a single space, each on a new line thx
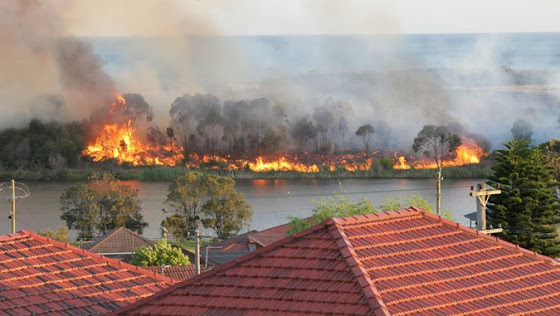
19 191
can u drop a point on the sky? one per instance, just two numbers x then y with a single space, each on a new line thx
293 17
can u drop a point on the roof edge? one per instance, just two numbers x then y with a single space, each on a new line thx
370 292
220 268
93 254
494 239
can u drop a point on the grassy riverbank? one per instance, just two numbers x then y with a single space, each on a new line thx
167 173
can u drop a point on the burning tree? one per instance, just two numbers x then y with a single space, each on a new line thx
438 143
119 138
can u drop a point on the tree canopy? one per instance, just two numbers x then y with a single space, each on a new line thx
337 206
436 142
397 203
100 205
365 133
302 131
60 234
161 253
340 205
226 211
528 208
195 197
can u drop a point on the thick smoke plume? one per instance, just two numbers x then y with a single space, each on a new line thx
46 73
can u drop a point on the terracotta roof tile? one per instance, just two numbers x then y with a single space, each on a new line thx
405 262
122 240
271 235
175 272
43 276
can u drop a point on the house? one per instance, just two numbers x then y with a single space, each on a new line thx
405 262
225 250
39 275
177 273
232 248
118 244
268 236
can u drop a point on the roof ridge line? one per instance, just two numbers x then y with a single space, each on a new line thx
219 268
112 234
95 255
372 295
379 216
493 239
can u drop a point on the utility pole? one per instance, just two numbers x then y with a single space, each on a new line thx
197 241
439 178
13 206
483 196
18 191
197 252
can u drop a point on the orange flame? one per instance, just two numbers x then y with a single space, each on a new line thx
281 164
117 141
262 164
401 164
468 153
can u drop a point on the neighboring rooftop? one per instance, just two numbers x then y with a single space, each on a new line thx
235 243
226 250
120 241
39 275
175 272
271 235
404 262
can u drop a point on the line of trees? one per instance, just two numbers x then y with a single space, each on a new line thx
42 145
104 203
204 124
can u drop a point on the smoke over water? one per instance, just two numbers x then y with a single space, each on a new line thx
397 83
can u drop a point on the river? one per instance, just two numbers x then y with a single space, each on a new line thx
273 200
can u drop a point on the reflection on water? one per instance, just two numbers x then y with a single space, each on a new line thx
273 200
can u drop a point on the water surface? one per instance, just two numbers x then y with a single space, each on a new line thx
273 200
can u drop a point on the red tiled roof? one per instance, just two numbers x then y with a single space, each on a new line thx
271 235
403 262
122 240
39 275
175 272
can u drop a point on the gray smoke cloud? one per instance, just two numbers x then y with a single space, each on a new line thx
49 74
46 73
